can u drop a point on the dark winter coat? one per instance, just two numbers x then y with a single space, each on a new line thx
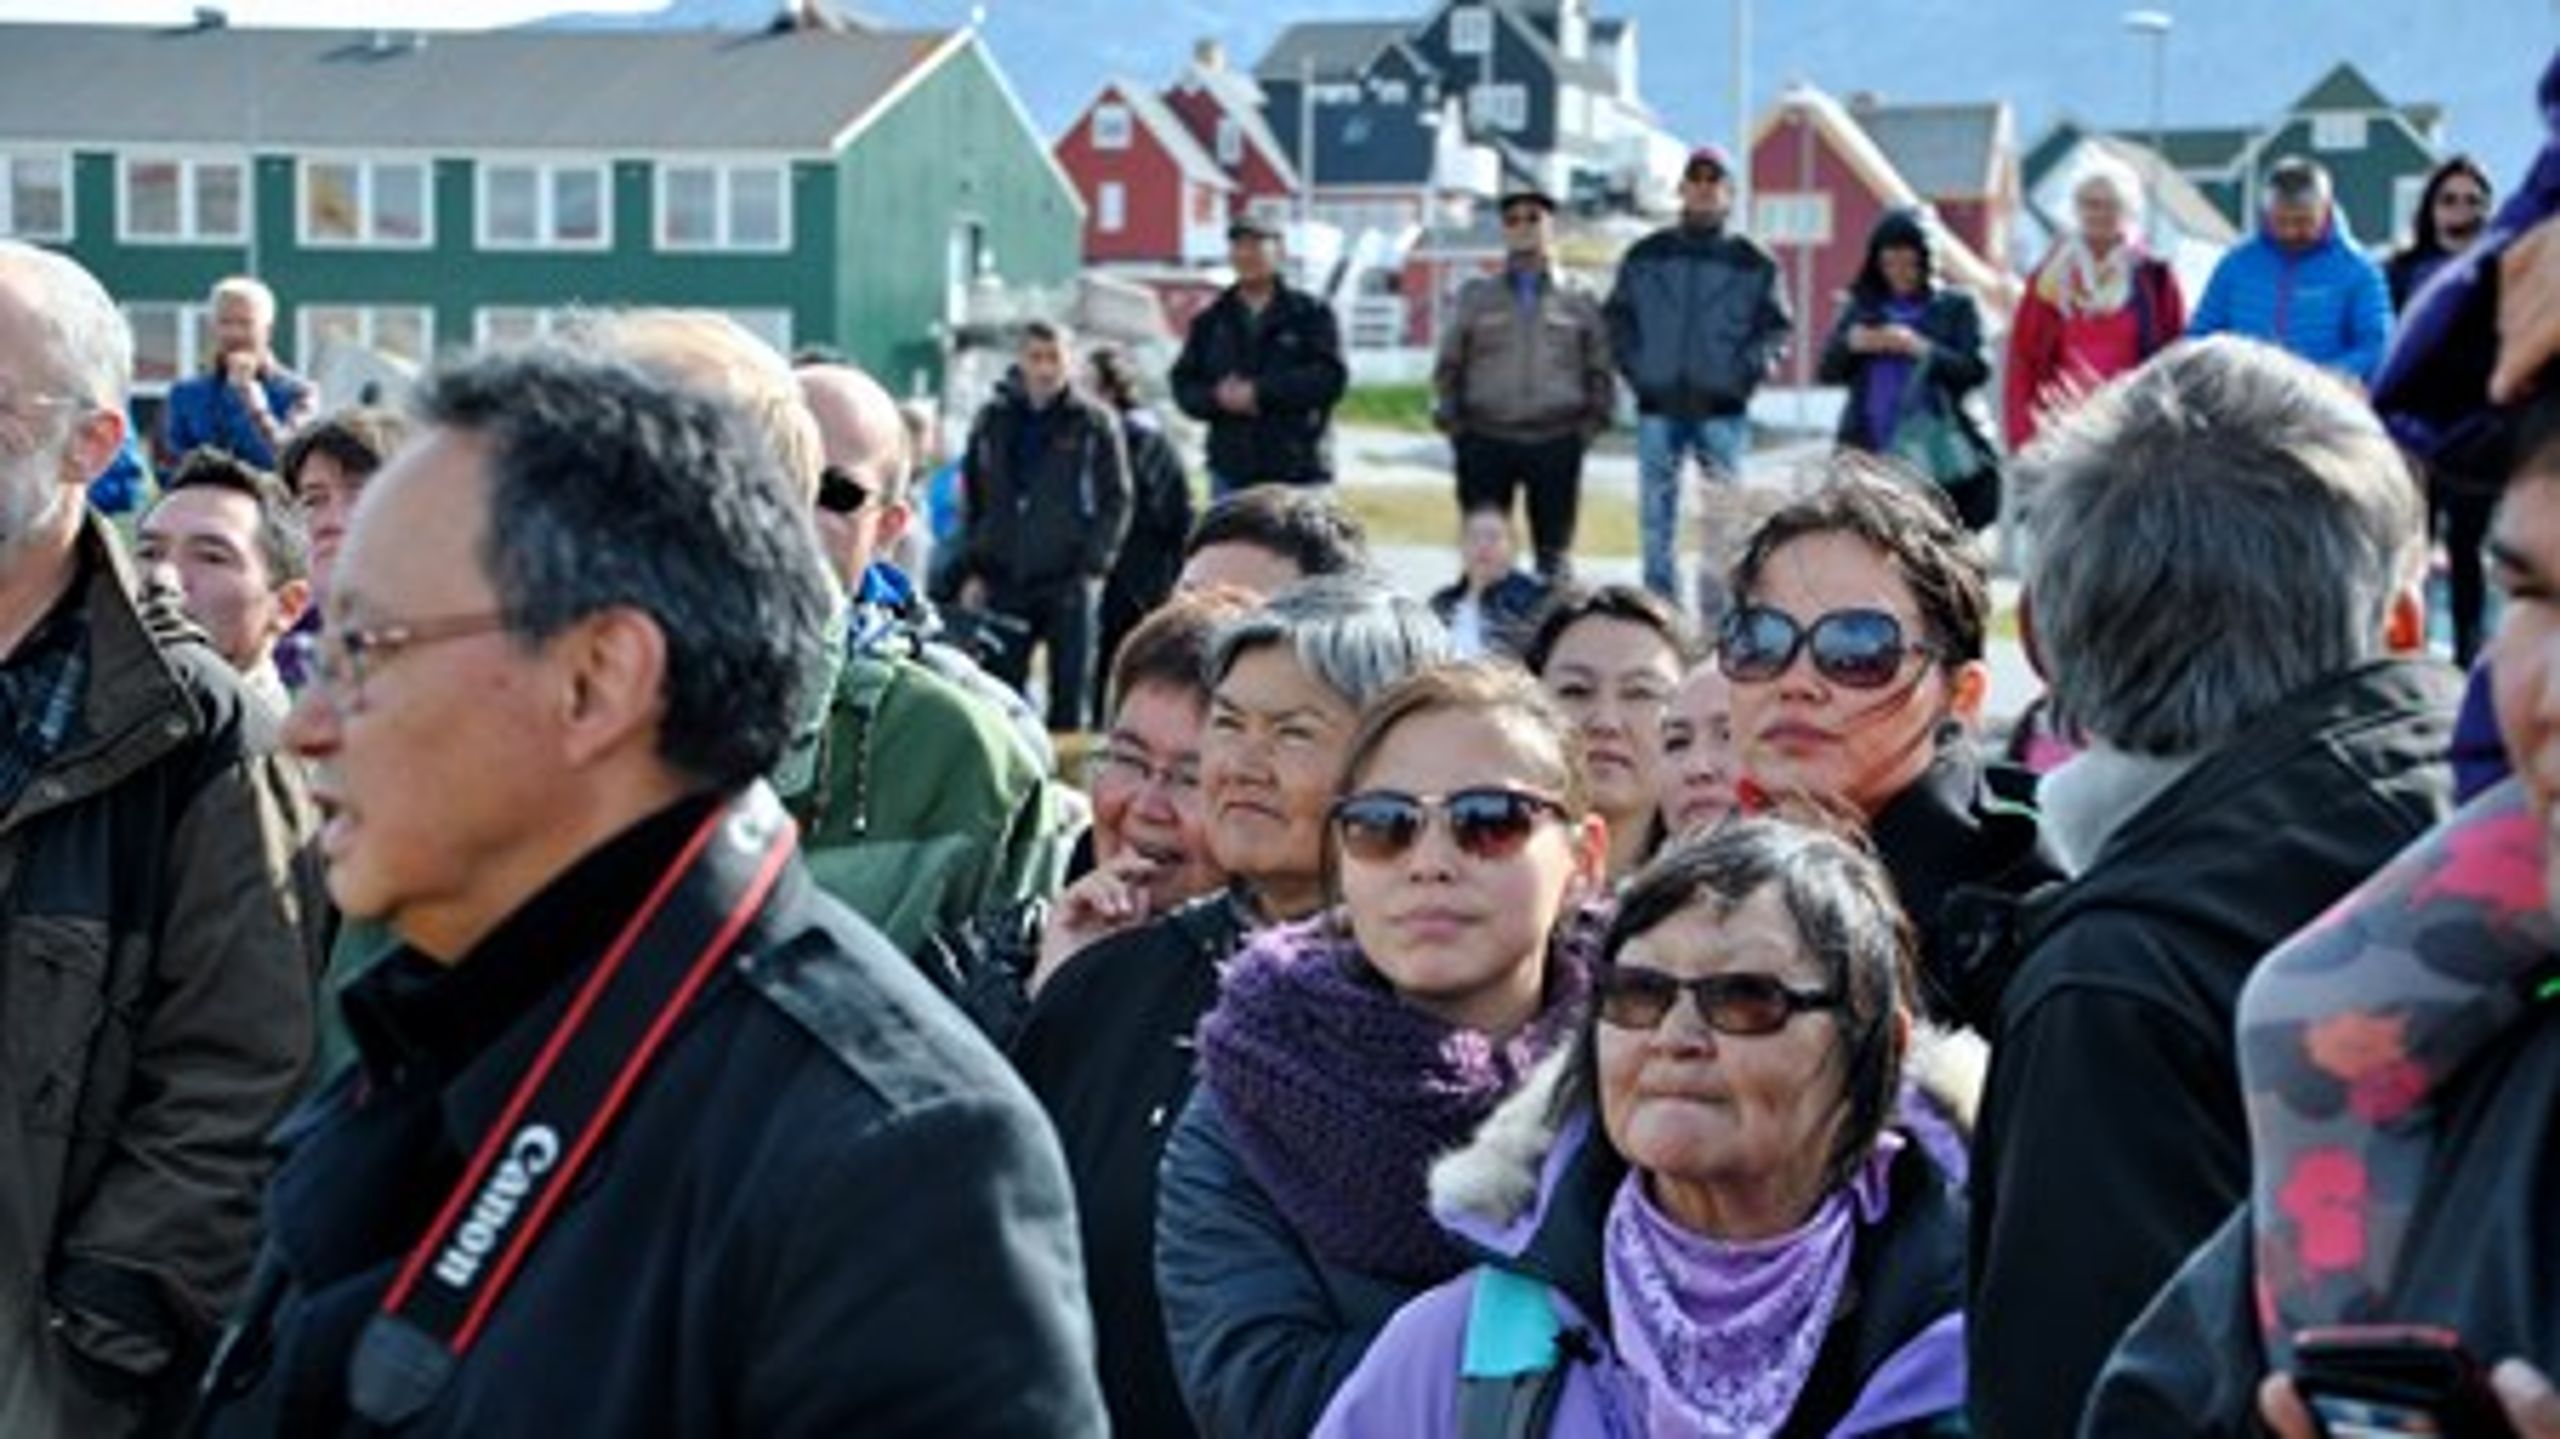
1040 520
1695 320
827 1208
1292 352
1511 609
2112 1138
1964 851
1160 514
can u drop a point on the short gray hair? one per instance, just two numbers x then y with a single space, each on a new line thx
88 346
1352 632
2211 534
2297 180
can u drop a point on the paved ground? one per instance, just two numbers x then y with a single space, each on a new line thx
1383 458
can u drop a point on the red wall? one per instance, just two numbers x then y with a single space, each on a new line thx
1971 220
1151 220
1796 157
1255 176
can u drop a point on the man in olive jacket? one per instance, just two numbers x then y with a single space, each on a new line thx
1696 321
1524 383
1262 368
155 989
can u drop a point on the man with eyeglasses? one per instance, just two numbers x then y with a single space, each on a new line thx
1524 383
156 1000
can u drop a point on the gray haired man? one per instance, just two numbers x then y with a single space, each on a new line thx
2224 590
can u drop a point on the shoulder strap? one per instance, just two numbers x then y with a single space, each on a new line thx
1511 1373
565 1104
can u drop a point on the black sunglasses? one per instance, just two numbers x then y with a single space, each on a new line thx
1745 1005
1855 649
1486 822
840 493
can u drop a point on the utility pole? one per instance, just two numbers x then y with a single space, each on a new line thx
1306 145
2155 25
1741 222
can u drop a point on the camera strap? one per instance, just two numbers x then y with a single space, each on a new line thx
565 1104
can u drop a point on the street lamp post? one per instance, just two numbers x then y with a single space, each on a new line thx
2155 25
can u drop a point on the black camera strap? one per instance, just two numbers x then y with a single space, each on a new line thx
566 1103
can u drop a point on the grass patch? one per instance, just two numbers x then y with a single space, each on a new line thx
1419 515
1387 407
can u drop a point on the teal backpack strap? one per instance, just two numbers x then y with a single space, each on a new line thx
1511 1373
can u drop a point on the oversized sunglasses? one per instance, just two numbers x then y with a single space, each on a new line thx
1635 997
1855 649
1486 822
840 493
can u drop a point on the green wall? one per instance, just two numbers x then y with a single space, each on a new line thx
955 150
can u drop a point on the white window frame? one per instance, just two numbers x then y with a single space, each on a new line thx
365 237
1502 105
544 319
1230 141
725 173
546 201
190 164
1114 128
1791 217
369 314
2408 192
2336 134
1471 30
769 323
1393 92
195 330
61 160
1111 208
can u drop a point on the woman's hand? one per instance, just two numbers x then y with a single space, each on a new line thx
1110 899
2532 1406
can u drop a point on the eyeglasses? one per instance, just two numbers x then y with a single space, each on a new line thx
348 657
1180 779
1486 822
840 493
1855 649
1633 996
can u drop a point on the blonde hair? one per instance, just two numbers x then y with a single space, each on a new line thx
710 352
245 287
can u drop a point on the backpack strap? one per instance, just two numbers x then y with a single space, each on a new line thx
1511 1373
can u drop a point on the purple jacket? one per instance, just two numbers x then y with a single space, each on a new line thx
1530 1195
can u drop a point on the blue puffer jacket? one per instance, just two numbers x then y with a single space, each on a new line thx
2327 304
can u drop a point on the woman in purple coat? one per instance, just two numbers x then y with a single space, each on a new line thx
1696 1221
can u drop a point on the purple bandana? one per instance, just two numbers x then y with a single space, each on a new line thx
1722 1336
1339 1095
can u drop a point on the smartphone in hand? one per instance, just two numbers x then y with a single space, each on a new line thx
2395 1381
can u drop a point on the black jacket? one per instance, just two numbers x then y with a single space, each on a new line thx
1160 513
1695 320
2112 1138
1511 609
1292 352
1107 1048
2481 1257
1964 850
826 1209
1957 366
1047 491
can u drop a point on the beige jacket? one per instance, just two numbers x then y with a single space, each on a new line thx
1510 373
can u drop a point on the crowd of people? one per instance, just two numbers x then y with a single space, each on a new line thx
522 916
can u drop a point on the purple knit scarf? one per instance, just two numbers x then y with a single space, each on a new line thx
1723 1335
1338 1095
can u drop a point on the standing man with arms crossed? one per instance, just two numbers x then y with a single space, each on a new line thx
1262 368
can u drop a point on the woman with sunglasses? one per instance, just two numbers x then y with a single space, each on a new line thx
1855 650
1347 1053
1698 1220
1612 656
1108 1044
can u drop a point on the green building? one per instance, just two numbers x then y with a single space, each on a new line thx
835 185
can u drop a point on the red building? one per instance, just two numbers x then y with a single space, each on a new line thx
1222 108
1152 195
1819 183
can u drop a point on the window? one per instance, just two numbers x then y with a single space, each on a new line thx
2337 132
723 207
1470 30
169 341
515 324
2407 192
399 332
526 206
1392 92
1111 208
182 199
1111 127
365 202
771 326
1230 141
35 197
1204 205
1499 107
1792 219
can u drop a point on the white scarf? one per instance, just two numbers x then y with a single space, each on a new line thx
2080 284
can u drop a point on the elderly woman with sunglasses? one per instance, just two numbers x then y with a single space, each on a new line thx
1347 1053
1855 651
1697 1221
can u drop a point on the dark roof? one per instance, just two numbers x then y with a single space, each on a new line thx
1610 29
1940 149
492 90
1338 49
2343 88
2214 149
2045 153
1241 99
